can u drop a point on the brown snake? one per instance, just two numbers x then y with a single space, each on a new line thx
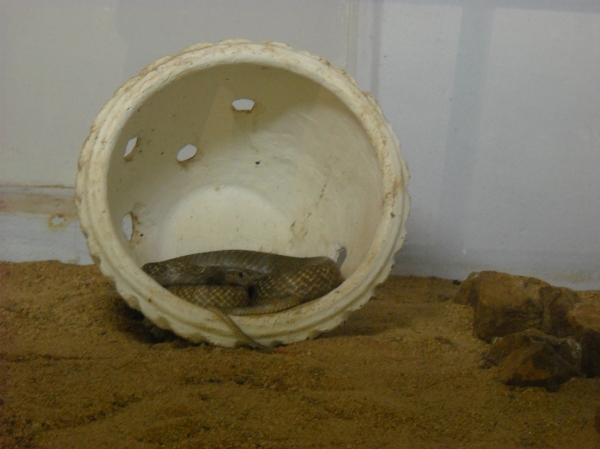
239 282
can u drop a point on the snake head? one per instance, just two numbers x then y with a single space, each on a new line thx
176 272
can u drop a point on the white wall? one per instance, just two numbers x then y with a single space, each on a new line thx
496 103
61 60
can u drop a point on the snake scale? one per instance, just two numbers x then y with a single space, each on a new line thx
240 282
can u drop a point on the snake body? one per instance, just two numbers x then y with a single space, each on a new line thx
240 282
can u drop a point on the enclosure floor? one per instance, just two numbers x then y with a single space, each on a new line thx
79 369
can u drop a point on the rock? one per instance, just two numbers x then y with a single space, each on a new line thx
558 301
567 348
533 358
505 304
585 320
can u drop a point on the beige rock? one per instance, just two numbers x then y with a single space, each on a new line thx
533 358
505 304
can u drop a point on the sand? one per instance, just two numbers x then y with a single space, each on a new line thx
79 369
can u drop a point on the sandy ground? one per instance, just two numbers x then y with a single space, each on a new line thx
79 369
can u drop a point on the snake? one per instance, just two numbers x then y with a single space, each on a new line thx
242 282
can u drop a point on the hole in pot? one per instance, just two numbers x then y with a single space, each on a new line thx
130 146
186 153
127 225
340 256
243 104
57 220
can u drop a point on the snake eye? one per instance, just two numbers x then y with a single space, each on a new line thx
237 278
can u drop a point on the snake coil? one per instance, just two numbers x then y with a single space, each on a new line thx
240 282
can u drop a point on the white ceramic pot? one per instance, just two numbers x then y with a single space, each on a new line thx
304 165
